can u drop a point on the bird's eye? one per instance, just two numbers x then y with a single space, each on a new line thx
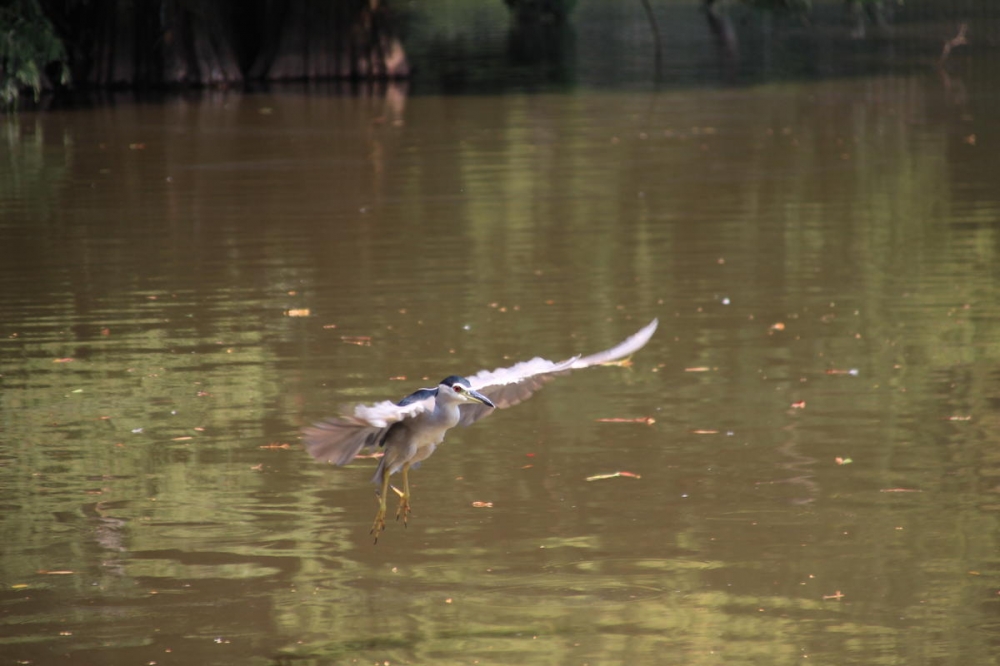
458 388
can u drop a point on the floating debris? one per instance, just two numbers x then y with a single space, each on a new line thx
647 420
614 475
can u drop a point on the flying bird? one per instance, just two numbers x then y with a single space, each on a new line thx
408 431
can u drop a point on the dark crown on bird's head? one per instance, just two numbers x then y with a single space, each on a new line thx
455 379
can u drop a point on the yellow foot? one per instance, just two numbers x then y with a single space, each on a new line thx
403 510
379 525
404 505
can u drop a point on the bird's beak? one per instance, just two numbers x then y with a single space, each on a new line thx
479 397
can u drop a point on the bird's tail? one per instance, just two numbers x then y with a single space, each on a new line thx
339 440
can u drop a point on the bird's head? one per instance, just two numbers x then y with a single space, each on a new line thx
458 389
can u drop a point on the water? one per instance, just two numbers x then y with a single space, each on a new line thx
185 283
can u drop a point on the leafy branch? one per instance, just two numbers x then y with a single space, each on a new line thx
28 44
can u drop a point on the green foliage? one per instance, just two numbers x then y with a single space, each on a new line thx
28 44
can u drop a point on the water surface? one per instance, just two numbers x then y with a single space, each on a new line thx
184 284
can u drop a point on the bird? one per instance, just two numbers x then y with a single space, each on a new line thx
408 432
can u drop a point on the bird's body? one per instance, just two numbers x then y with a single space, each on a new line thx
413 440
410 430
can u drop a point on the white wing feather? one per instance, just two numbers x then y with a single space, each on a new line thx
519 372
385 413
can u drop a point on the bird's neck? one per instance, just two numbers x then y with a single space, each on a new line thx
447 414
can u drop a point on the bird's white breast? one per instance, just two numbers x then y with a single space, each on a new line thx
432 426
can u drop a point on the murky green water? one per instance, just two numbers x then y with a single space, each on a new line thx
184 284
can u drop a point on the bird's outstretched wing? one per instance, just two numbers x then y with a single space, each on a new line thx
338 440
507 387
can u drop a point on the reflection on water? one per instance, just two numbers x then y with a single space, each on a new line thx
184 284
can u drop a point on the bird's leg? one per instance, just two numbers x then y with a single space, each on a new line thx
404 497
379 525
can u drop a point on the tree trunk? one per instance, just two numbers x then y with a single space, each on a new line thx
345 39
184 42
